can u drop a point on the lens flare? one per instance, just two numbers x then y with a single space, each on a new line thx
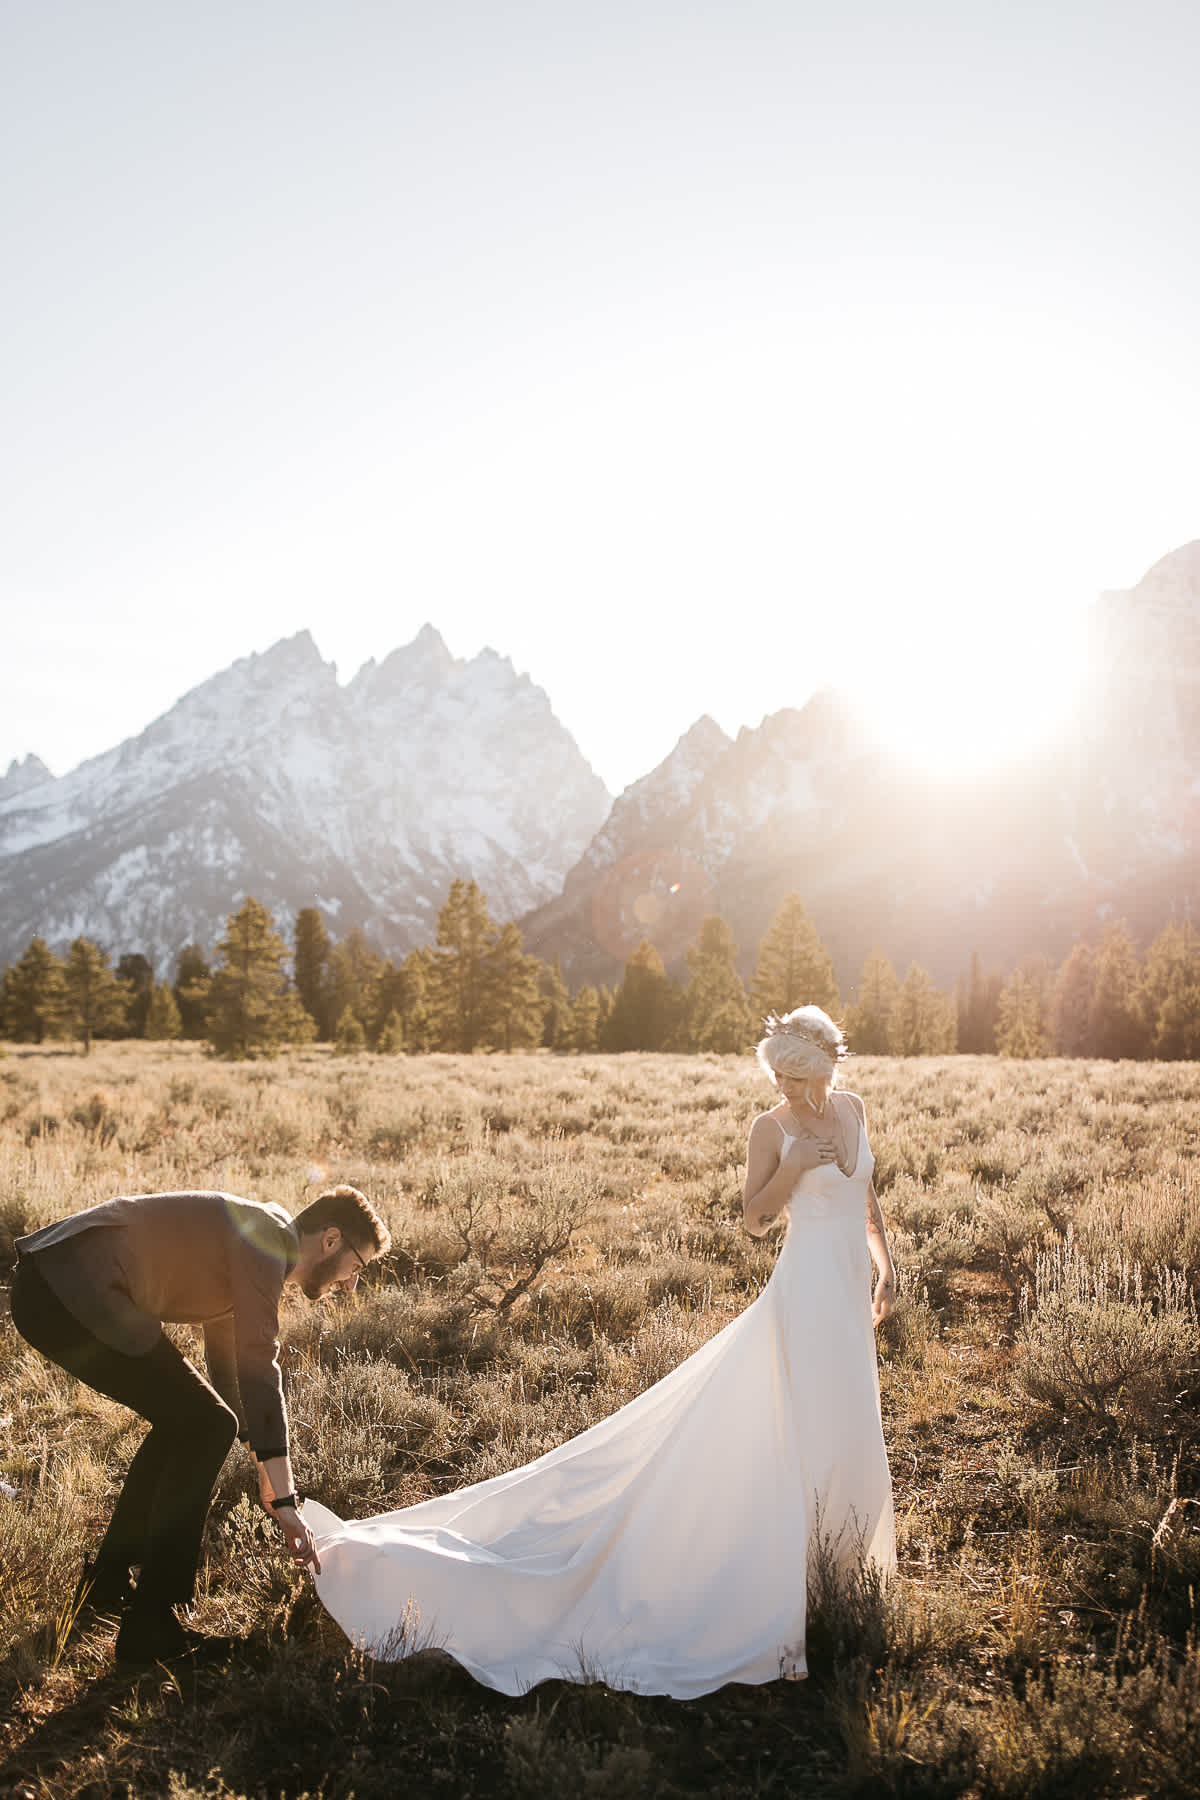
660 895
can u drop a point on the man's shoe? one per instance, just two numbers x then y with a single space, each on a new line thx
103 1588
153 1635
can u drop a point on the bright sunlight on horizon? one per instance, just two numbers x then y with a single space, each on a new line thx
694 360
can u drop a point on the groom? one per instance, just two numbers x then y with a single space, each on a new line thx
91 1293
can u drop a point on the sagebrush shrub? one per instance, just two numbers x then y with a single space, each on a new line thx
1097 1342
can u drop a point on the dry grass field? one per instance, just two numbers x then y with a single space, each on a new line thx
566 1230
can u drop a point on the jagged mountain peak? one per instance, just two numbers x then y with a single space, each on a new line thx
1176 573
429 640
1168 593
496 659
28 772
293 661
293 658
245 700
705 738
490 670
460 692
270 778
1105 825
299 651
681 770
828 720
264 677
668 790
423 663
368 799
1145 649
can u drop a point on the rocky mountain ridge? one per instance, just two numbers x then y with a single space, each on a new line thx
1103 823
366 800
27 773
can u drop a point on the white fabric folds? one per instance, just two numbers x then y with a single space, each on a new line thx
665 1549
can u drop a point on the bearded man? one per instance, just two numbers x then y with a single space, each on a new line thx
92 1292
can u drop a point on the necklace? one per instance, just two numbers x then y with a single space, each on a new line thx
825 1125
806 1111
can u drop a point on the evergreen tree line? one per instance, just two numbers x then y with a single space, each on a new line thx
1102 1001
476 988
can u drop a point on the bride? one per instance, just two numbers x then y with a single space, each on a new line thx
665 1550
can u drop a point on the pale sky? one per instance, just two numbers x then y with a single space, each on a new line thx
691 355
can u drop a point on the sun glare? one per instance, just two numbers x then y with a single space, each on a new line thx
972 696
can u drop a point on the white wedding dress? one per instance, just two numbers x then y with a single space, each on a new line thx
665 1549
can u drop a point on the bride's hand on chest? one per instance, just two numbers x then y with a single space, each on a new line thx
807 1152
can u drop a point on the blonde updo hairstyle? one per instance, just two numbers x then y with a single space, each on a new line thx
805 1044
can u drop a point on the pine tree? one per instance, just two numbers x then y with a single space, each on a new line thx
1023 1018
355 973
871 1015
390 1041
1071 1005
1170 995
716 1011
924 1022
459 991
978 1009
93 998
645 1005
513 1017
349 1037
135 973
1114 1021
162 1020
251 1011
193 979
794 967
35 997
295 1022
585 1020
311 972
556 1006
403 991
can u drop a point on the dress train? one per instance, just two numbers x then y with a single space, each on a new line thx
664 1550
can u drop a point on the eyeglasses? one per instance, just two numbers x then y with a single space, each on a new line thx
348 1283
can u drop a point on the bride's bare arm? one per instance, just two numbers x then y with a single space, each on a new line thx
769 1177
881 1256
877 1243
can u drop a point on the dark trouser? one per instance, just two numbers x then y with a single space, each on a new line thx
159 1518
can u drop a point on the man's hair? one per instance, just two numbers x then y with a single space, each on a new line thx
353 1215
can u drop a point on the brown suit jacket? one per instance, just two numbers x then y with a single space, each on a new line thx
205 1259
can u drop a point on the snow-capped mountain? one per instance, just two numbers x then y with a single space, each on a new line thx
366 800
725 826
369 799
21 775
1103 825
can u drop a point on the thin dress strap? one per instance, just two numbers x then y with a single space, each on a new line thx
839 1115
